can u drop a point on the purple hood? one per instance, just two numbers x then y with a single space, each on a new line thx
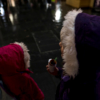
80 37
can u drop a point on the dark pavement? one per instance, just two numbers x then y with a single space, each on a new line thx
39 28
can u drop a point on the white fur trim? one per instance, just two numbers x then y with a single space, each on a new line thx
67 36
26 54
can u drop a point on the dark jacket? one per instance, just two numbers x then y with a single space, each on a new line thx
86 84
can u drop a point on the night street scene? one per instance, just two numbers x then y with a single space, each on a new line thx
31 42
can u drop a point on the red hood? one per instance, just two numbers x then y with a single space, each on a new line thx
11 59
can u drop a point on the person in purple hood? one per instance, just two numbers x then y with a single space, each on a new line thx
80 48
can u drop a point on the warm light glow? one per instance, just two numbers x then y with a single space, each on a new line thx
57 13
11 18
13 3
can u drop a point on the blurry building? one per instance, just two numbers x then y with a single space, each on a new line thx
80 3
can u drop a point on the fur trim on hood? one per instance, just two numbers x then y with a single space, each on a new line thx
67 36
26 54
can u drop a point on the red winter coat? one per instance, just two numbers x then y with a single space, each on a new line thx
14 75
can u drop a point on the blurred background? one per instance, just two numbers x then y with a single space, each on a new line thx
37 23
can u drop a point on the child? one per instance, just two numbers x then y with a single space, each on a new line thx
14 72
80 48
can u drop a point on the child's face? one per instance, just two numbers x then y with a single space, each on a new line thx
61 48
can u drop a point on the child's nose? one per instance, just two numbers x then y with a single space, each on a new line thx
60 44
